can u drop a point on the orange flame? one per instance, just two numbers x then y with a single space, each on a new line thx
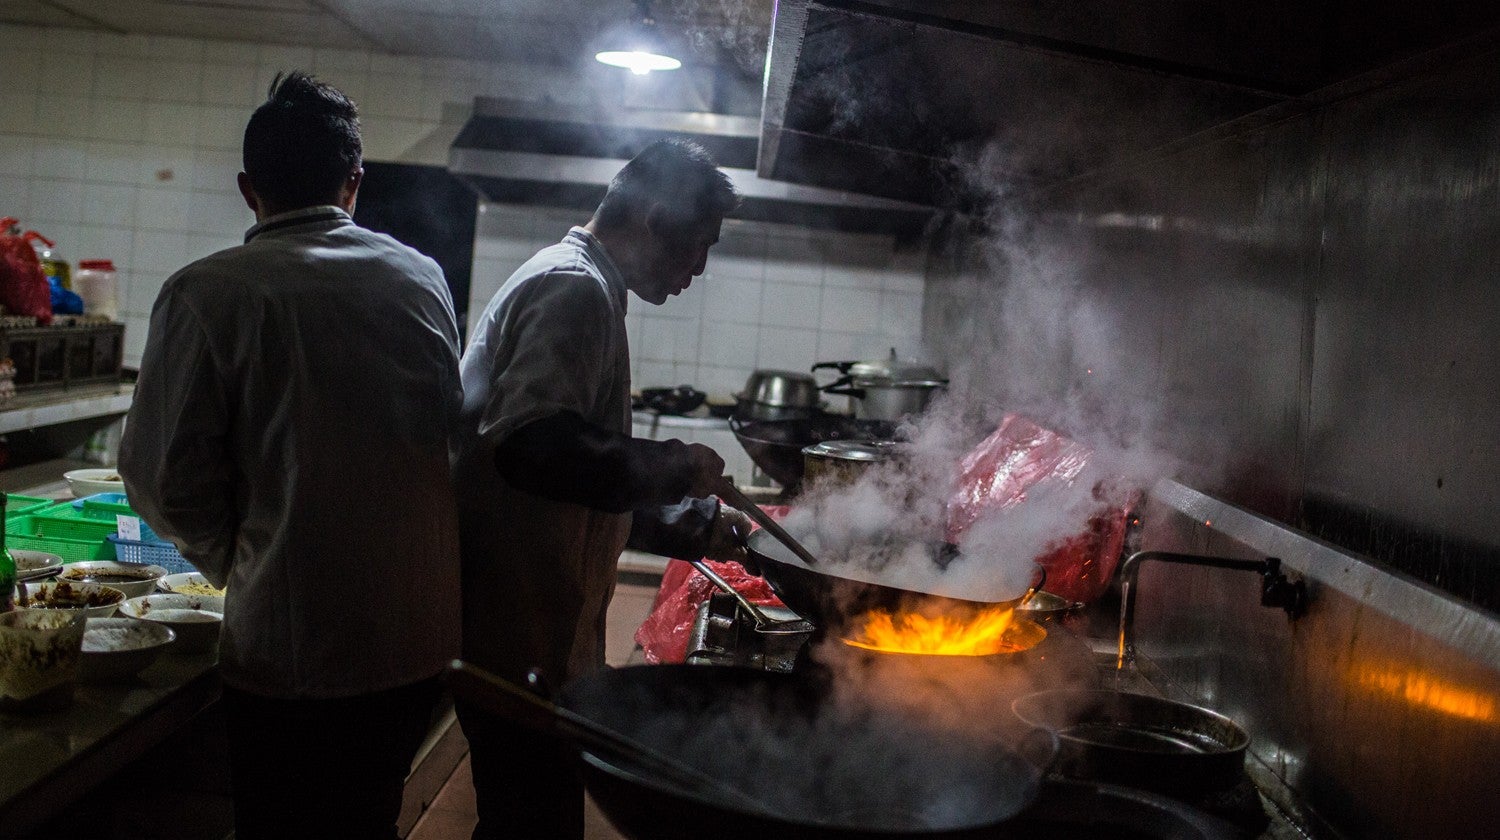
981 635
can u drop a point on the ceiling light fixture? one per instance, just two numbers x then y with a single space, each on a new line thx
638 47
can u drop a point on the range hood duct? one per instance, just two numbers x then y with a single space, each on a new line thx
518 152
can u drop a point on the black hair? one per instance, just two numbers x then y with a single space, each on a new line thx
302 143
680 175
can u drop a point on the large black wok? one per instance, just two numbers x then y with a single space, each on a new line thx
776 445
829 599
823 769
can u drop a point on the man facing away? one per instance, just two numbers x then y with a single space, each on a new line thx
550 483
290 433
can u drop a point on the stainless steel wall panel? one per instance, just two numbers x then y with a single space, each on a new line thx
1405 411
1380 706
1310 312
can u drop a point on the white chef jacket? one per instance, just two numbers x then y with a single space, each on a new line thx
290 433
538 574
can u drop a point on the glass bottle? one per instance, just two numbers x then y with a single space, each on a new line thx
7 566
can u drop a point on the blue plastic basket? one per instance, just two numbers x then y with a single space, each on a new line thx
151 551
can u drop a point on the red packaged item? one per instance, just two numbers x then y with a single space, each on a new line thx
23 285
997 474
663 636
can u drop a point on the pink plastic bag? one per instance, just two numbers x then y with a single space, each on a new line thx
996 475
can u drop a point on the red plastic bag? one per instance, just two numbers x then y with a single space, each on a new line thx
23 286
663 636
997 474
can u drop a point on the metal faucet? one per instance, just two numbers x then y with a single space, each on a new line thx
1275 589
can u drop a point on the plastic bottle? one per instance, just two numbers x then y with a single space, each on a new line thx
95 283
53 265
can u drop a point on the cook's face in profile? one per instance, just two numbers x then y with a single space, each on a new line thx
674 258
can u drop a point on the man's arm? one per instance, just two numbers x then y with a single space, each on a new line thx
563 457
173 454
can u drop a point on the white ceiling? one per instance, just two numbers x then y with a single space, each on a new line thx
729 33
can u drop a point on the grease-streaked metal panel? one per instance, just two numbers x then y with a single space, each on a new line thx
1380 707
1405 413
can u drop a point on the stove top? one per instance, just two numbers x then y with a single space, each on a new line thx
723 635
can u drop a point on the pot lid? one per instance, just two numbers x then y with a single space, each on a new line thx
895 369
853 450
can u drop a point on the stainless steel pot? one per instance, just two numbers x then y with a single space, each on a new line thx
777 395
885 389
844 460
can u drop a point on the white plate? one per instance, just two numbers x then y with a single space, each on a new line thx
34 564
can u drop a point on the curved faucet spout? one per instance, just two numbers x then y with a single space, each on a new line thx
1276 590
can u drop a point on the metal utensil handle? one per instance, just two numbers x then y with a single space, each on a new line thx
732 494
503 697
745 603
1035 587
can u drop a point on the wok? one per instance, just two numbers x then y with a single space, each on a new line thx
829 771
830 600
776 445
1151 742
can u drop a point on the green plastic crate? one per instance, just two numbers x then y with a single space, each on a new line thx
25 532
94 522
16 505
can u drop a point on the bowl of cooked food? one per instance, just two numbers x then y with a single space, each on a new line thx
119 648
189 583
196 619
93 600
133 579
39 653
90 481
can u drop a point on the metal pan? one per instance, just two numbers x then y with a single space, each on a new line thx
1150 742
829 600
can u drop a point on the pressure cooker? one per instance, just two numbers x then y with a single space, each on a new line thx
885 389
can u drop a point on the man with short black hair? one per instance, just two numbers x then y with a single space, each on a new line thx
290 433
551 485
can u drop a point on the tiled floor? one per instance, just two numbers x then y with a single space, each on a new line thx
451 815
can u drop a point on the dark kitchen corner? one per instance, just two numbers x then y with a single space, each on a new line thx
426 208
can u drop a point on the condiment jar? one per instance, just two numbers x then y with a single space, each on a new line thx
95 283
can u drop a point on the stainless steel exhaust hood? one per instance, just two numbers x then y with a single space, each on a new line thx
948 102
564 156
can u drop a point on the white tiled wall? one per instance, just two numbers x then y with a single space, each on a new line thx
126 147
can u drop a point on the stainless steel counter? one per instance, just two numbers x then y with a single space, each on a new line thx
51 759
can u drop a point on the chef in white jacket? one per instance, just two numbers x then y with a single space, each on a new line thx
551 486
290 433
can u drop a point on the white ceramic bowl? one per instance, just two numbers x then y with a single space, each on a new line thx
119 648
133 579
196 619
39 653
34 564
91 481
91 599
188 583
